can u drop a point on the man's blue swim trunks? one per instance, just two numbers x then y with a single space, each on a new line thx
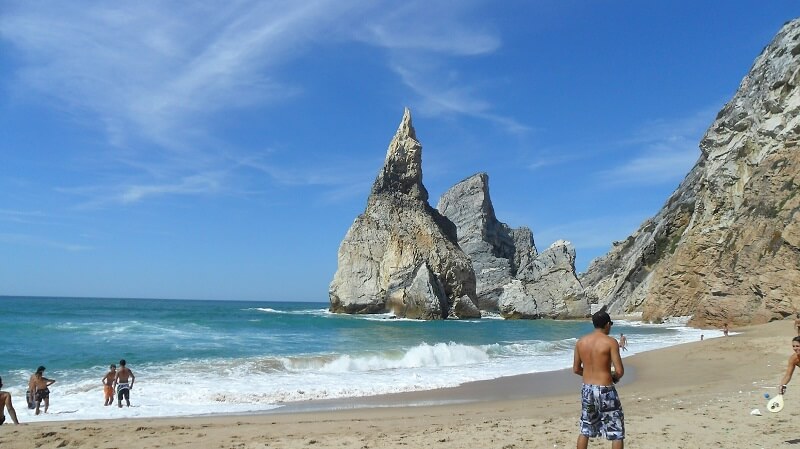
601 412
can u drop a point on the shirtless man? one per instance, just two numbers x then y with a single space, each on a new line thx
623 342
794 360
124 381
108 384
797 323
5 401
601 413
38 386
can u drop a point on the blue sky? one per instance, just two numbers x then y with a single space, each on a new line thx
221 150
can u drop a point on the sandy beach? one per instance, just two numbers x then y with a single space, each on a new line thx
696 395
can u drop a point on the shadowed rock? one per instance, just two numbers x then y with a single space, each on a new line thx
511 278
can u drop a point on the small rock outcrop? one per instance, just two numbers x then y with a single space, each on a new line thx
725 248
512 278
552 283
401 254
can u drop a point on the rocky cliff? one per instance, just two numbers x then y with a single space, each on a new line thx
512 278
401 255
726 245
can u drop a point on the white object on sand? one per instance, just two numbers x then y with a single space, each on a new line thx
756 412
775 404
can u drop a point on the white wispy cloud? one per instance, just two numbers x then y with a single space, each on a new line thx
152 70
154 76
667 150
22 217
342 180
421 46
547 159
446 94
593 233
36 241
129 191
431 26
661 163
189 185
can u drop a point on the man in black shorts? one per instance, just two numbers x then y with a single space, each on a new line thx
124 383
38 385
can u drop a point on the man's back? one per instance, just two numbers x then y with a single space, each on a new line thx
37 382
123 375
601 409
595 353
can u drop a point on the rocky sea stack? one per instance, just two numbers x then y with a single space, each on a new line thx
512 277
405 257
401 255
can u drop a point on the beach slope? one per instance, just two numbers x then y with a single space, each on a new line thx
696 395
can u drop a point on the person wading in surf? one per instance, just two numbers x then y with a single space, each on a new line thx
38 386
124 381
108 384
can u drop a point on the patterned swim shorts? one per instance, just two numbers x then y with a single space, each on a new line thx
41 395
601 412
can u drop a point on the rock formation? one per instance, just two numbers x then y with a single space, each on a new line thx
401 254
511 277
725 248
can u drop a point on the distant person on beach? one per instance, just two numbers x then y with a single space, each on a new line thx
38 385
797 323
108 384
5 401
623 342
725 329
124 381
598 362
794 361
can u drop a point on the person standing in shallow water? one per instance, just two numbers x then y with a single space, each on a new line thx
38 385
108 384
124 381
623 342
599 364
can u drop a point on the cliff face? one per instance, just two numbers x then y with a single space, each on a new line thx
401 254
512 278
726 245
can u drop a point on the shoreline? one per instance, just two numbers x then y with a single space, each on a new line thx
697 394
220 396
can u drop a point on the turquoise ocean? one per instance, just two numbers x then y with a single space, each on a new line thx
208 357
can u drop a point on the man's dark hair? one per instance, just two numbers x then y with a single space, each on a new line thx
601 318
796 338
40 369
122 362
